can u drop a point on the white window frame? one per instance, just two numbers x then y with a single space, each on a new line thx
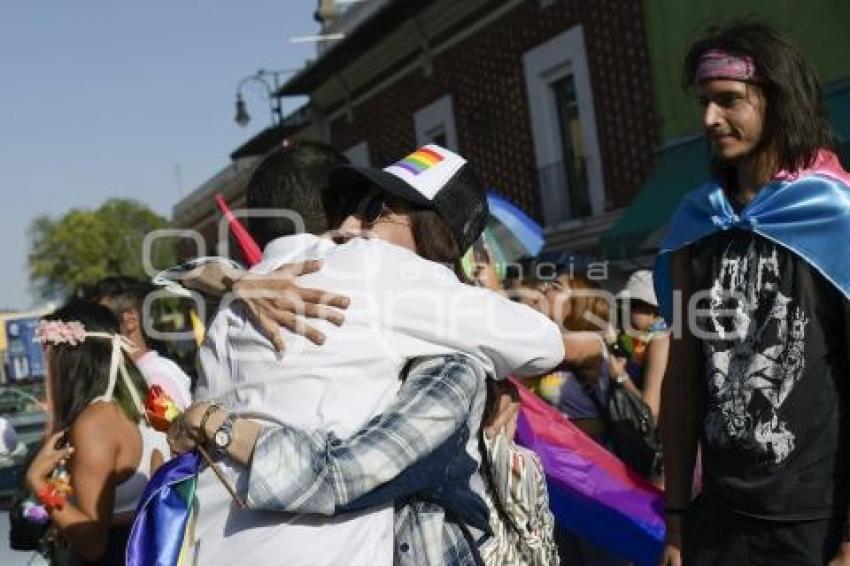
358 154
552 60
437 115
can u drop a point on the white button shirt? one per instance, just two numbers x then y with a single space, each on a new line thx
402 306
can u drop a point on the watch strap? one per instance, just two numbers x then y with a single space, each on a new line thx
226 427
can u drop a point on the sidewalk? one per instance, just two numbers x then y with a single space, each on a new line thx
9 557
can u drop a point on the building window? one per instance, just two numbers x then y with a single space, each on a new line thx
435 123
572 145
563 127
358 154
436 135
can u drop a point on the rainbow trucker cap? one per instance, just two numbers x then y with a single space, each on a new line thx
430 177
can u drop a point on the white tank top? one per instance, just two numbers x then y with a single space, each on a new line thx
128 492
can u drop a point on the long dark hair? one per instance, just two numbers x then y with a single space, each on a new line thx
433 238
795 124
79 374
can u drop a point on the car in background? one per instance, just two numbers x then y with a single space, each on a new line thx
26 414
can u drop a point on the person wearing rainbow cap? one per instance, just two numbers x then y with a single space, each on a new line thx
759 370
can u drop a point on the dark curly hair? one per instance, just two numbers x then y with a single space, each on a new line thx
795 125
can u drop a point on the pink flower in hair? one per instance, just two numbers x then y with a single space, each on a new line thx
58 332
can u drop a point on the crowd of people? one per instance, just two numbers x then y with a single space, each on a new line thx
358 390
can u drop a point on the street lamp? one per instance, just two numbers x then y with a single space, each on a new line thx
242 117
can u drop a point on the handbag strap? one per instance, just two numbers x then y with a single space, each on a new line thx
591 391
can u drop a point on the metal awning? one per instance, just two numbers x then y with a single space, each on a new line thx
679 168
360 39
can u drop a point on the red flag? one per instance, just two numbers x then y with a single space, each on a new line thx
251 252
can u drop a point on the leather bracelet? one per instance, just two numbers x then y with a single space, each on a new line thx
203 426
675 510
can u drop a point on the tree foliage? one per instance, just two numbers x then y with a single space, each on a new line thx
76 250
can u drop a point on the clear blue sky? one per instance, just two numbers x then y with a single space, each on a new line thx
103 99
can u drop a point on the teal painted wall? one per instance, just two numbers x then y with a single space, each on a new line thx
821 28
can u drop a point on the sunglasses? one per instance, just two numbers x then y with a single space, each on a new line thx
368 206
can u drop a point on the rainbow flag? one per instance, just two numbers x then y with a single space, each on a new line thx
591 492
420 160
161 534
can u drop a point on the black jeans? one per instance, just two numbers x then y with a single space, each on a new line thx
715 536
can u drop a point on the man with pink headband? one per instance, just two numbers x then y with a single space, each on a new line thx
759 373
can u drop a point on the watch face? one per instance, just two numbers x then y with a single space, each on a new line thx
221 439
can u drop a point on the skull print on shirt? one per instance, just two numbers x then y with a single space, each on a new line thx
753 339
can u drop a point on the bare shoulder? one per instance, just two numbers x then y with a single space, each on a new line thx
100 425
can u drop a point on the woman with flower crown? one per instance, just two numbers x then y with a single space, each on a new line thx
99 450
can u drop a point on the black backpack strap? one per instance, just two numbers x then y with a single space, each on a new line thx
470 539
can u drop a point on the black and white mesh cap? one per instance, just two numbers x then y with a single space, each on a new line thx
430 177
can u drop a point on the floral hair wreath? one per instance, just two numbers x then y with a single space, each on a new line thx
58 332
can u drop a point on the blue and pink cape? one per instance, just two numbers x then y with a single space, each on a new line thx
807 212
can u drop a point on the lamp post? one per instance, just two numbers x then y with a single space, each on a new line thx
242 117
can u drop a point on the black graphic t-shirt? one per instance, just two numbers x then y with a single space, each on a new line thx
774 340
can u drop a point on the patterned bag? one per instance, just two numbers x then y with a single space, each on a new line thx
522 524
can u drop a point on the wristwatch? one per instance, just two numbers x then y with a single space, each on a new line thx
223 437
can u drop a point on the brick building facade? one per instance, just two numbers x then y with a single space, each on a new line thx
484 75
478 60
484 72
